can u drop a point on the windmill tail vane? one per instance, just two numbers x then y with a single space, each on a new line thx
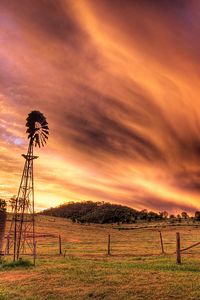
21 236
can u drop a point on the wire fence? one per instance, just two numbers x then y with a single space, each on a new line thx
97 241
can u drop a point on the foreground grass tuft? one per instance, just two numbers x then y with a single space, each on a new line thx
15 264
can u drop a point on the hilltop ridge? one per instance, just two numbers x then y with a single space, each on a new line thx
100 212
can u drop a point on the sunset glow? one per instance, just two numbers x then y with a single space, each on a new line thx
119 84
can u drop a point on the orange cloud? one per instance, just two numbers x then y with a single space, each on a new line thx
119 85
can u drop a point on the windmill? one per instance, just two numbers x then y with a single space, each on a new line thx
21 236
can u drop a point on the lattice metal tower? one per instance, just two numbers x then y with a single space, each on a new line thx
21 236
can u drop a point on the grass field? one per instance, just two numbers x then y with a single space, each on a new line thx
136 269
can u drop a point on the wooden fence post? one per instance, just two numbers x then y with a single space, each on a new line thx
34 253
60 245
161 242
109 244
8 245
178 248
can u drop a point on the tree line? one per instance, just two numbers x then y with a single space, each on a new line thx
104 212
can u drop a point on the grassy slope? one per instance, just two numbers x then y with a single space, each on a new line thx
135 270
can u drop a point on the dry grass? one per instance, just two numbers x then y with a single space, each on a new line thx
135 270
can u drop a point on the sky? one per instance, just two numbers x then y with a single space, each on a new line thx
118 82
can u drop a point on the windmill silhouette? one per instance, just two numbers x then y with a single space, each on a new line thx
21 236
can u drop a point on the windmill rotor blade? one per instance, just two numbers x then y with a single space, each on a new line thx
45 131
45 135
45 127
44 140
44 123
41 141
39 118
30 128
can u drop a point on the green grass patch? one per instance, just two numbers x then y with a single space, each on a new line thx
14 264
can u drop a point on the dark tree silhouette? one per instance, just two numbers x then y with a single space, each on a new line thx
184 215
2 205
197 216
100 212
